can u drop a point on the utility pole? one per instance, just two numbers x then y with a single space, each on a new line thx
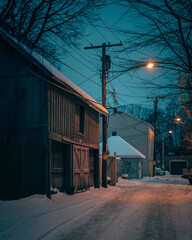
163 151
105 66
155 127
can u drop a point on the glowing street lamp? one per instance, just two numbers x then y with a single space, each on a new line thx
150 65
163 146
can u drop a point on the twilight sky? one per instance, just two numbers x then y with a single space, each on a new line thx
132 87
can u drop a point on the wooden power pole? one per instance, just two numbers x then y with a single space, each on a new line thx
105 67
155 126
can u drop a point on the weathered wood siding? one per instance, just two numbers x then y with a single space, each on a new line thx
35 112
23 99
64 117
23 126
22 170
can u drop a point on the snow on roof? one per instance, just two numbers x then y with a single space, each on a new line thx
121 147
58 76
55 73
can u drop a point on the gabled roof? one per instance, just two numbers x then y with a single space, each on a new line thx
121 147
51 71
128 115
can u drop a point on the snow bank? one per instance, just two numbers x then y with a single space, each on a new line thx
38 217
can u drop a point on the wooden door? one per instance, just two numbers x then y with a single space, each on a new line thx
80 168
57 165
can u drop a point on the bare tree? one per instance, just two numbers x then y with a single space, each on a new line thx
138 111
41 24
169 26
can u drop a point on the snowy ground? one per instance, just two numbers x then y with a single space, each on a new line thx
151 208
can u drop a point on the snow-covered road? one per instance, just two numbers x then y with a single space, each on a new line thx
153 208
158 209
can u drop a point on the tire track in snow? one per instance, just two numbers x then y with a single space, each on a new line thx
39 216
105 223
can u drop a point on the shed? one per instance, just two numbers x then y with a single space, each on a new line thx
49 127
131 160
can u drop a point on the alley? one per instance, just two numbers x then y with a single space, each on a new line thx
148 209
160 208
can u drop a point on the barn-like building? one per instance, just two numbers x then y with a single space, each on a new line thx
49 127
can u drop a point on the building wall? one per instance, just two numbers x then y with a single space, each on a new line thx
131 167
29 102
64 116
169 159
23 126
150 150
34 112
23 100
135 132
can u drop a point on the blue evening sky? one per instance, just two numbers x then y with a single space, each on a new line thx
132 87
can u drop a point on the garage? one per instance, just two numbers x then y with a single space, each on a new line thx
177 166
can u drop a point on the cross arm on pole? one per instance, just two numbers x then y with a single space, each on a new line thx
104 45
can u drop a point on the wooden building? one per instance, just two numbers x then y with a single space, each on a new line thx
49 127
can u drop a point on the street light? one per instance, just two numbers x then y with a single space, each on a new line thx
163 147
178 119
150 65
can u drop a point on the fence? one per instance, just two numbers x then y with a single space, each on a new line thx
111 169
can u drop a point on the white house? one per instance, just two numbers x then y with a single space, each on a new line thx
136 132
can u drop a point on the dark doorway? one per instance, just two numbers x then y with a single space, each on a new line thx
176 167
60 157
91 167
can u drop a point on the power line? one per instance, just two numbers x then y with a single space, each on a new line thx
86 80
76 70
109 29
87 60
67 90
79 73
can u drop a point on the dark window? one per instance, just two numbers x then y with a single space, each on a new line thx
79 119
82 119
114 133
